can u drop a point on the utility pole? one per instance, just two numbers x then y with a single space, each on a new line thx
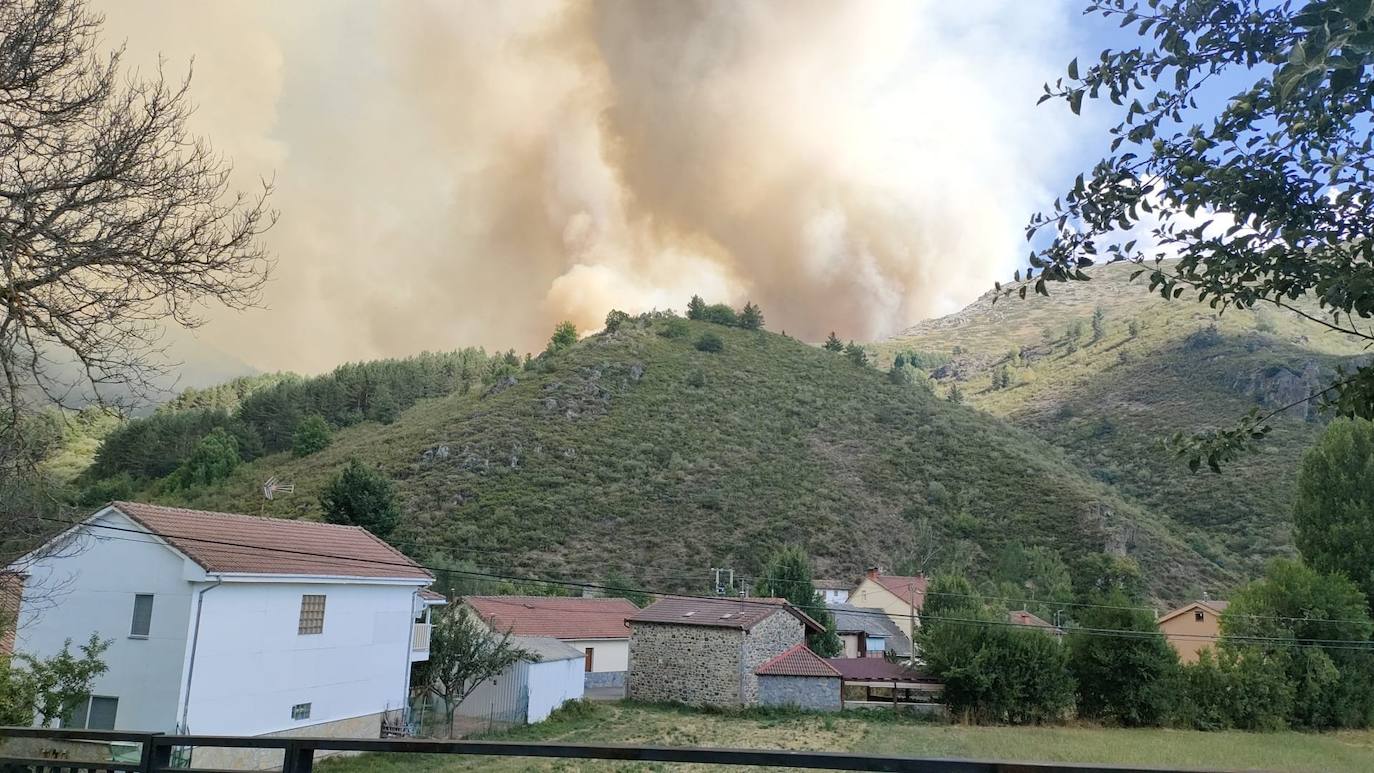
723 579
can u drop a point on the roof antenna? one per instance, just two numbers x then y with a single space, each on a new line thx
271 488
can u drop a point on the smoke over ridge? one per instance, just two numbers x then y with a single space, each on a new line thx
465 173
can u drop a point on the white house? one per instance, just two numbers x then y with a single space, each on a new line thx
229 624
594 626
833 591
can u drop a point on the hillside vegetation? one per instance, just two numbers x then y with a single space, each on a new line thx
637 452
1156 367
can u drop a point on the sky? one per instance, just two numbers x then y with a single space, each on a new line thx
455 174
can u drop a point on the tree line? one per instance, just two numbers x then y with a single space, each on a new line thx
1296 648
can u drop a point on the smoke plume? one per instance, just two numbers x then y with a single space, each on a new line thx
455 173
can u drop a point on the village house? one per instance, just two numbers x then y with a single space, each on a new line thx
833 591
867 632
901 597
594 626
229 624
1192 628
704 652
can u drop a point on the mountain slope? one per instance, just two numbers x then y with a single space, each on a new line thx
635 452
1159 367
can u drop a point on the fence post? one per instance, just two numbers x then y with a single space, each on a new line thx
154 755
298 758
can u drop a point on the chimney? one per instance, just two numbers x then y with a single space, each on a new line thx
872 572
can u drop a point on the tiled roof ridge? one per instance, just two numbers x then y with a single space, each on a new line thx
794 650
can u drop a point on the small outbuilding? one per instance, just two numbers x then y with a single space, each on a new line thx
799 678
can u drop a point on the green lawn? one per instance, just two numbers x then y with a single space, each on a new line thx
633 724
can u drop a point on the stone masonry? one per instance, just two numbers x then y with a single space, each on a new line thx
815 693
703 665
771 637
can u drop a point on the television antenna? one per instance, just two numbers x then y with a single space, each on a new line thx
273 487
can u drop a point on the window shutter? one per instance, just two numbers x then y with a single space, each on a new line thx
143 615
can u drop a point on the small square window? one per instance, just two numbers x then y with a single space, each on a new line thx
143 616
312 615
300 711
1199 616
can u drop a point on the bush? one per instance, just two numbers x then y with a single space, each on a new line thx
564 335
722 314
675 327
312 435
1240 688
110 489
1125 681
710 342
992 672
614 319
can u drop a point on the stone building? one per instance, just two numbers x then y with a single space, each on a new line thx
799 678
703 652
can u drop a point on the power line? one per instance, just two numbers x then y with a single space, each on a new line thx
1334 644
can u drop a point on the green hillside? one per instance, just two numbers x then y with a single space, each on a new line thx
637 453
1160 366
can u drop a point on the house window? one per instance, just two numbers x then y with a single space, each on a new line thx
143 616
301 710
877 644
312 614
587 665
95 713
1198 616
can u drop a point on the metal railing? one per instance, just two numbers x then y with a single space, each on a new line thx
419 640
299 754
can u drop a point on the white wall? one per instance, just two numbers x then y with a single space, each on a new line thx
833 596
252 666
90 586
551 683
609 654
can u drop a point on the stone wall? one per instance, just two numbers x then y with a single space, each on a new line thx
367 726
778 633
815 693
692 664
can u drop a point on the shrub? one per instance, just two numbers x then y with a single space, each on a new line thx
1126 681
722 314
564 335
312 435
992 672
675 327
614 319
1241 688
710 342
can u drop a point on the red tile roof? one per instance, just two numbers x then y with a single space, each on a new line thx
432 595
1022 617
798 661
228 543
905 588
743 614
559 617
875 670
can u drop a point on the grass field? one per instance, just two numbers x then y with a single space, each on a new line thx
633 724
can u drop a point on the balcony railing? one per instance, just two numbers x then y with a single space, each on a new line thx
419 640
299 754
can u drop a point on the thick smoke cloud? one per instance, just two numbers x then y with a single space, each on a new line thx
456 174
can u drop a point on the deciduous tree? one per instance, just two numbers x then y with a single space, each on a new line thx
1264 201
1333 509
463 653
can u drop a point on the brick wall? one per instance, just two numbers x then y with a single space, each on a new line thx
775 635
816 693
690 664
